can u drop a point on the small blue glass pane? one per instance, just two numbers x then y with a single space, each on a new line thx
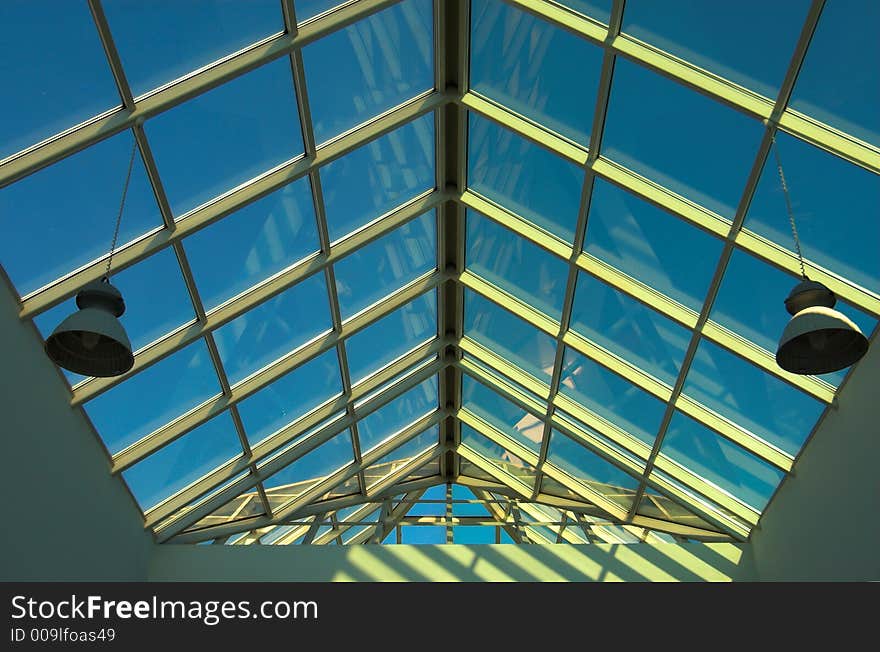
183 461
585 465
473 534
66 212
610 396
314 465
628 328
437 492
290 397
509 418
155 396
308 9
408 450
711 35
523 177
770 408
389 338
839 82
161 41
387 264
378 177
651 245
720 461
54 70
227 136
835 206
253 243
751 302
397 414
597 9
367 68
714 146
514 264
468 509
536 69
422 534
276 327
497 454
509 336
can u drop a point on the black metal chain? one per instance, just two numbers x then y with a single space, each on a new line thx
797 242
121 205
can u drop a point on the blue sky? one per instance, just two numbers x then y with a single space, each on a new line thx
60 218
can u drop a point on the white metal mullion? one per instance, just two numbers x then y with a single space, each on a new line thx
729 245
596 133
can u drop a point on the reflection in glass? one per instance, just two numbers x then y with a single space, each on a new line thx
760 402
651 245
402 455
536 69
509 418
153 397
514 264
397 414
227 136
183 461
711 35
161 41
252 244
375 64
66 212
393 335
291 396
386 264
508 336
597 9
523 177
610 396
378 177
833 200
656 505
720 461
276 327
498 455
628 328
308 9
49 93
715 145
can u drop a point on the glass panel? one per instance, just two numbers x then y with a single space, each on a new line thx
499 377
226 136
712 170
833 200
501 457
437 492
472 471
333 421
514 264
598 9
467 509
402 454
505 537
629 328
394 416
651 245
154 397
375 64
302 474
308 9
551 487
378 177
756 400
386 264
610 396
275 327
183 461
245 505
161 41
656 505
291 396
839 82
422 534
539 70
156 302
204 497
253 243
51 92
392 336
509 418
63 216
509 337
584 465
720 461
712 36
523 177
751 303
385 387
473 534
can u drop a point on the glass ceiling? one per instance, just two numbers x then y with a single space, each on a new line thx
414 272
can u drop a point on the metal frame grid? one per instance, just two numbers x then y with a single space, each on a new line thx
450 355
